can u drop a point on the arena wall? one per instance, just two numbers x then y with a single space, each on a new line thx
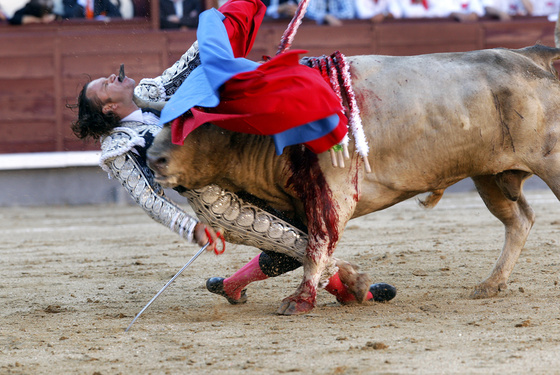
44 67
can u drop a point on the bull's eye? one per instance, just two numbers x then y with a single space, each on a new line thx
157 163
162 162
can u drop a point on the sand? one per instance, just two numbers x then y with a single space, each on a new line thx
73 278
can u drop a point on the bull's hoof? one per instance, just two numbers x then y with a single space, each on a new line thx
484 290
356 282
361 287
216 285
293 306
382 292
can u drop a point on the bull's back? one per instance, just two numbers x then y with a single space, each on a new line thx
432 120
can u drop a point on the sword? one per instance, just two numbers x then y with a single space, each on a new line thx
169 282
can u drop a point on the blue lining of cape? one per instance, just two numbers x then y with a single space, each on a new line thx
218 65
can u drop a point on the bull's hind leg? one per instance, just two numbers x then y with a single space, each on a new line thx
517 217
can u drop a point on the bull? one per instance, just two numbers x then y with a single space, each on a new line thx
430 120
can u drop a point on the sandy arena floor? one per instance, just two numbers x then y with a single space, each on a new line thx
73 278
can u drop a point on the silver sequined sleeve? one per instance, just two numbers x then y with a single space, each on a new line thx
149 195
161 88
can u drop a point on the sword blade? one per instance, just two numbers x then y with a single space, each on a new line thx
121 73
169 282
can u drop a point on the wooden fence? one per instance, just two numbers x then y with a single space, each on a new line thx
44 66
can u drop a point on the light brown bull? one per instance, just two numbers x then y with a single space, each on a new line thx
430 120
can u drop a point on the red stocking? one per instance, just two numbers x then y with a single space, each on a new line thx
250 272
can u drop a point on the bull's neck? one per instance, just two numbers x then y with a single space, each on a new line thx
255 165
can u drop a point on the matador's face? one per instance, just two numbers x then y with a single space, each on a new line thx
111 90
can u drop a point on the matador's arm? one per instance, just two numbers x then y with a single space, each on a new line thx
120 159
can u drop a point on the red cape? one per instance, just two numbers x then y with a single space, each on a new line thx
280 94
243 19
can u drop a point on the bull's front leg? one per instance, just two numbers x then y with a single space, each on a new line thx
326 220
328 203
303 299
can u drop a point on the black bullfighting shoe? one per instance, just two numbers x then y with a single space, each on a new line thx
216 285
382 292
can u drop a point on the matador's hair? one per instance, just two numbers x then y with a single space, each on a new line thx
92 122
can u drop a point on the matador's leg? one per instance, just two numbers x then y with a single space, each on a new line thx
283 246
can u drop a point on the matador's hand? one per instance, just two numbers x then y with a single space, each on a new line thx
204 234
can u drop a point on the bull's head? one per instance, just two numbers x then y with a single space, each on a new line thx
193 165
162 159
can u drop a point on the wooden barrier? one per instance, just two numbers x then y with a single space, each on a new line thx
43 67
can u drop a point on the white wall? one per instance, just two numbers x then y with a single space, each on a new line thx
10 6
